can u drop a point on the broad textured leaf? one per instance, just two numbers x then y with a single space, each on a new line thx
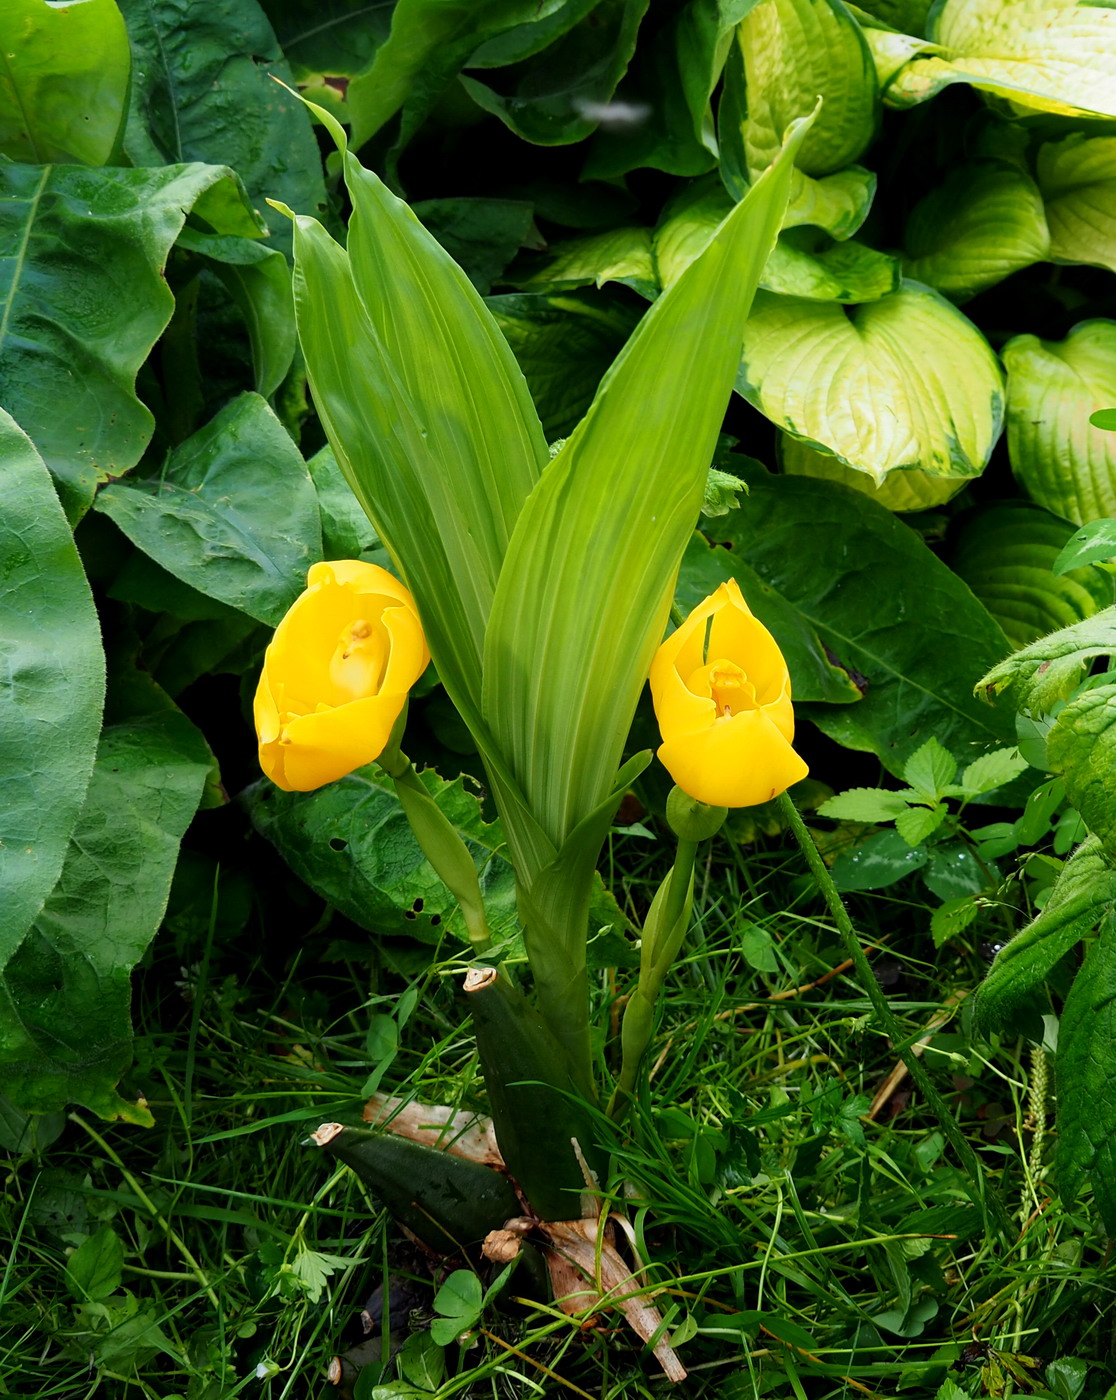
481 235
233 513
351 843
585 590
1084 889
53 685
202 90
1077 177
561 94
1092 544
1059 458
63 81
428 414
838 203
620 255
1047 670
792 52
332 37
564 344
882 860
258 279
429 42
1086 1085
887 609
901 491
903 382
1049 55
983 223
908 16
65 1035
70 343
1006 552
346 530
813 673
1081 747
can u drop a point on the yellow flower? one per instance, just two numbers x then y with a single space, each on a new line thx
723 703
336 675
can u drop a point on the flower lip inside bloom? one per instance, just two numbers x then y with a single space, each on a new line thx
357 665
730 689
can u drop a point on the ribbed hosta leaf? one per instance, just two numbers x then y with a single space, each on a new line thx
1049 55
790 52
903 382
1005 552
1077 177
837 203
985 222
899 491
1058 457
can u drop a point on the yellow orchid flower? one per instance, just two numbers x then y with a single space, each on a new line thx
336 675
723 703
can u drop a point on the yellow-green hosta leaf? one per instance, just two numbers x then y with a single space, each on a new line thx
837 203
792 52
908 16
900 491
903 382
1058 457
1046 55
1077 177
985 222
1005 552
620 255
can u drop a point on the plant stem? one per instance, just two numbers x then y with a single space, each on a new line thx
982 1193
663 932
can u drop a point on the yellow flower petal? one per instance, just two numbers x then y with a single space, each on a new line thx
733 762
319 748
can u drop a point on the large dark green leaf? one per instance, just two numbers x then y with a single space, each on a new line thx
352 844
564 344
71 339
562 94
1086 1083
234 513
813 674
63 80
331 37
52 689
202 90
481 235
65 995
1084 890
885 607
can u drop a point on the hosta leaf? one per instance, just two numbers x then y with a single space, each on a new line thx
564 344
902 382
886 608
908 16
1081 747
1077 177
1047 670
790 52
837 203
54 685
813 673
1058 457
1048 55
1006 551
70 343
63 81
232 513
203 90
899 491
1086 1085
1084 889
65 996
984 223
559 95
620 255
352 844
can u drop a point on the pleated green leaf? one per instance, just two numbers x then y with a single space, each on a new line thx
985 222
903 382
1077 177
585 590
900 491
1058 457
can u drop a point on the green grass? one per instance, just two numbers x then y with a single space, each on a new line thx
788 1238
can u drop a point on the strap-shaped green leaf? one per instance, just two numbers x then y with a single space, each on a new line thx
586 585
